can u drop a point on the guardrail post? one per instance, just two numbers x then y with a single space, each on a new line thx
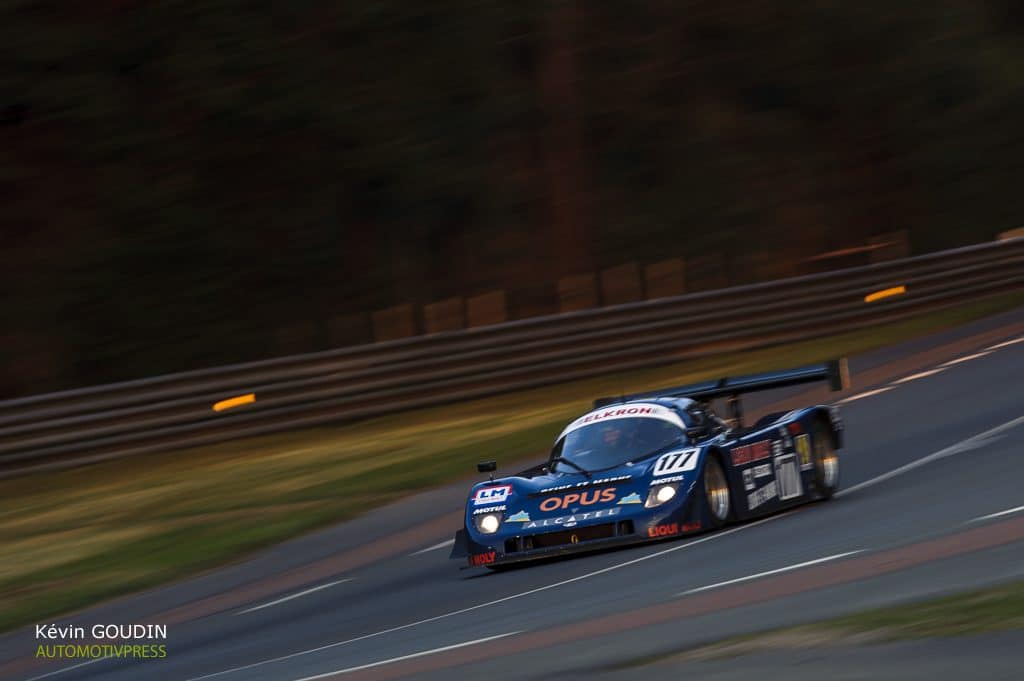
394 322
444 315
297 338
577 292
349 329
665 278
486 308
621 284
707 272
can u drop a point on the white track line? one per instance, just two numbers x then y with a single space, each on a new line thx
965 359
553 585
942 367
407 657
923 374
446 542
997 515
967 445
66 669
1005 343
853 398
788 568
288 598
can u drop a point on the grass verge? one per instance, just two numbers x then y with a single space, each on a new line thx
73 538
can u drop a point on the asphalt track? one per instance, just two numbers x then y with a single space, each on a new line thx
933 432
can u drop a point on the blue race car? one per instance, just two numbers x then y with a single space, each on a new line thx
654 465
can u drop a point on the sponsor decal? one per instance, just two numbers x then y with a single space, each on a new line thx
518 517
748 479
664 481
676 462
639 410
586 483
785 437
777 450
762 470
691 527
803 448
491 495
663 530
633 498
835 418
572 520
478 559
756 498
795 428
755 451
788 476
597 496
488 509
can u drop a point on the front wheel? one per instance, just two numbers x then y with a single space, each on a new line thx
717 498
826 462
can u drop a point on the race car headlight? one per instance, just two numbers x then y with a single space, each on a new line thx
661 494
488 523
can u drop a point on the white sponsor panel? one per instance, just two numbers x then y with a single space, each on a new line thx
762 470
760 496
488 509
748 479
787 473
676 462
787 439
492 495
625 411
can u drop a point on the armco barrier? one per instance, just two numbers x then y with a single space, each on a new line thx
92 424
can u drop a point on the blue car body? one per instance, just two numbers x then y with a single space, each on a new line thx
553 509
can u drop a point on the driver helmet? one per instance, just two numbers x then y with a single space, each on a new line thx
611 434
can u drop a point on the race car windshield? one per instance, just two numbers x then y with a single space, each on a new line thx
613 443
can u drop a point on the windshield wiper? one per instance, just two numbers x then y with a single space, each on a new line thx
572 463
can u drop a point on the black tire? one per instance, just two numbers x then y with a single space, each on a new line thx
826 461
715 493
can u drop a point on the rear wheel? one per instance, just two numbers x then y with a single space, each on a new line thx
826 462
717 498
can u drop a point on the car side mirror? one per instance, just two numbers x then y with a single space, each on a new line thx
487 467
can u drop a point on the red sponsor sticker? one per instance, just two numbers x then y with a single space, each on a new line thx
663 530
691 527
794 428
481 559
752 452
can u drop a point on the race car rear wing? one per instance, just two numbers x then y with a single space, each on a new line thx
835 372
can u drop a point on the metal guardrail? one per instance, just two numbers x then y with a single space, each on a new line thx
93 424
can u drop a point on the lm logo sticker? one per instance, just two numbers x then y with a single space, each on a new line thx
491 495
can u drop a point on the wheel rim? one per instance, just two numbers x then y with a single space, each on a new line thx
828 462
716 489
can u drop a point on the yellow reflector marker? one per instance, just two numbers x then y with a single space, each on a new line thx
885 293
235 402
